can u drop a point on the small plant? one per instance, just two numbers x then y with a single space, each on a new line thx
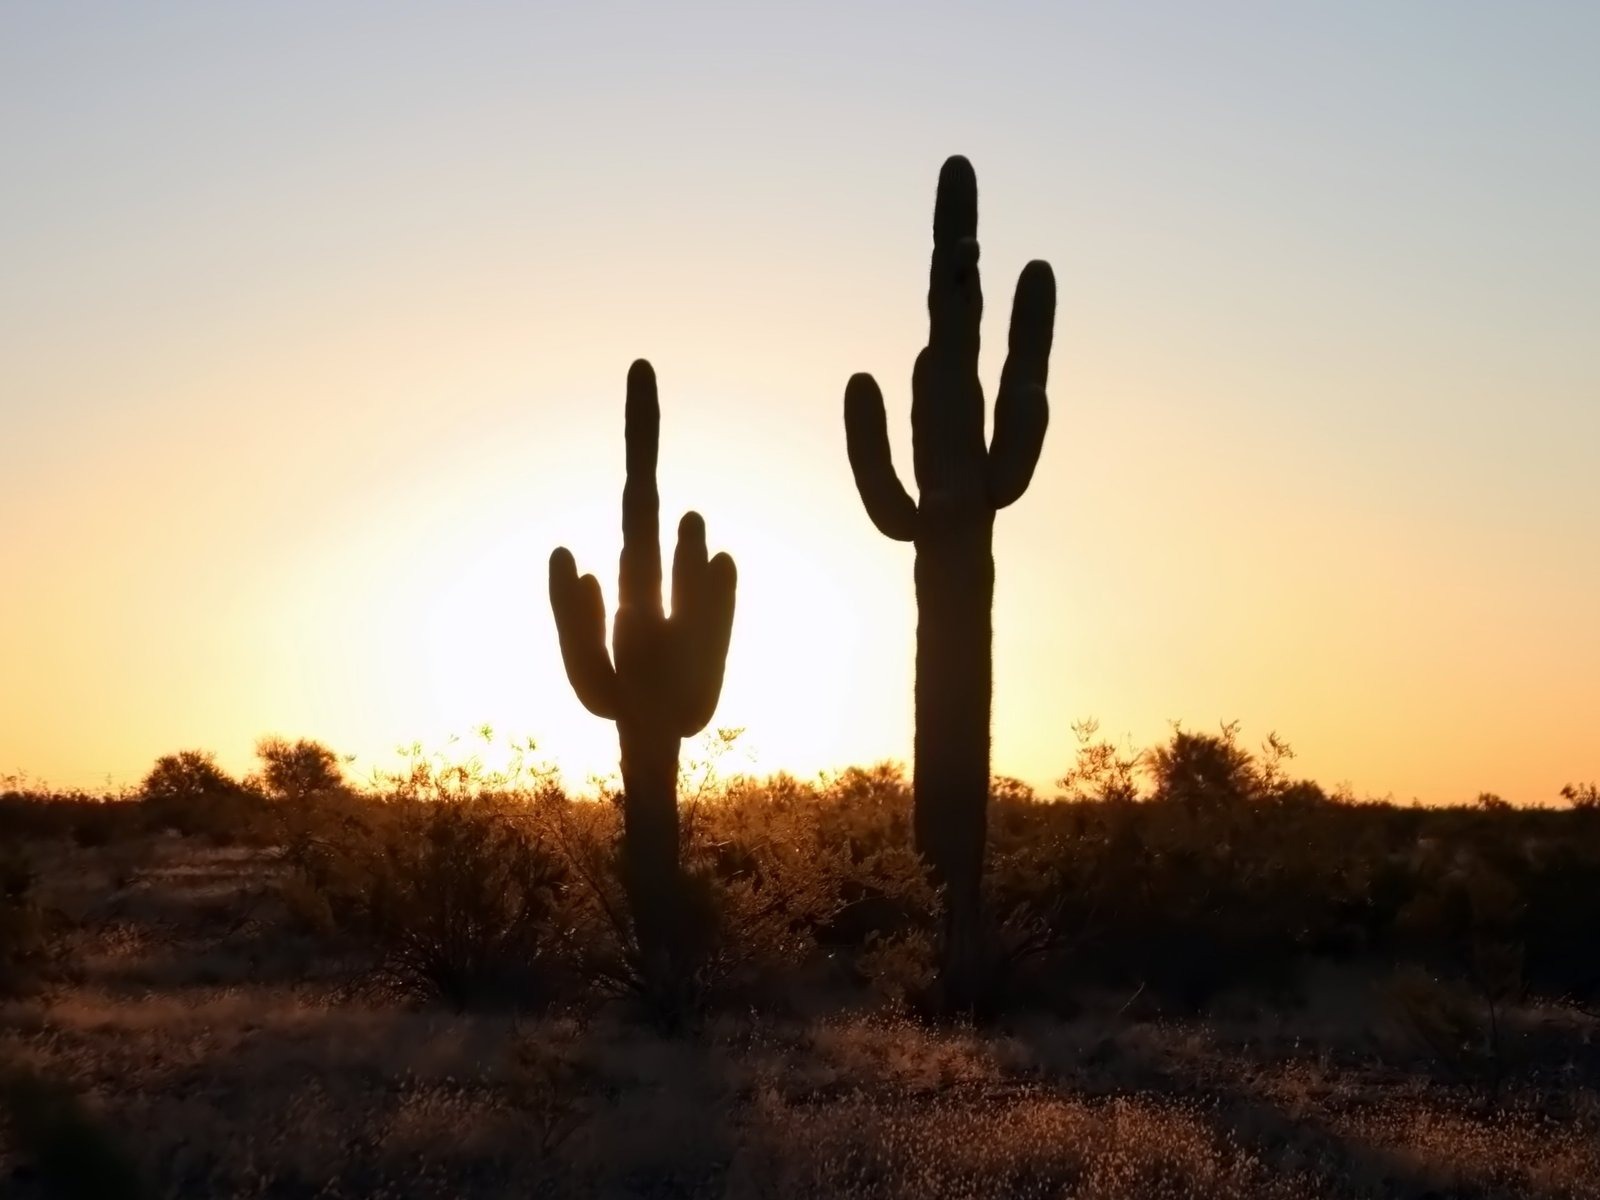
899 969
1102 771
1583 797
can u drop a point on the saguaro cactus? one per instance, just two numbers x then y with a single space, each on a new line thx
661 681
962 482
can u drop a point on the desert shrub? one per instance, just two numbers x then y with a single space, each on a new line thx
548 1089
899 970
31 809
1185 903
780 877
456 898
1227 874
295 772
462 905
1528 880
1192 870
188 792
766 882
883 891
1585 797
1560 898
1203 772
457 771
1101 771
799 870
1440 1018
755 884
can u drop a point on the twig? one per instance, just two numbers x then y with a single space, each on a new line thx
1131 999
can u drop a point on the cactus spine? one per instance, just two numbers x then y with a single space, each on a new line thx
962 483
661 681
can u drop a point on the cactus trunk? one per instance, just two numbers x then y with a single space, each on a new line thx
955 590
651 869
962 483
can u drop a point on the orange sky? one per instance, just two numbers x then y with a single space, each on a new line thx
313 333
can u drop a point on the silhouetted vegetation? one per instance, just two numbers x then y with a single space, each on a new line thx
458 900
963 484
1184 872
1187 921
295 772
1582 796
187 792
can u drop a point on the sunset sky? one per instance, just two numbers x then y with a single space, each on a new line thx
315 319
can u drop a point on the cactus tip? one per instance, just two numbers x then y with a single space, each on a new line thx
955 205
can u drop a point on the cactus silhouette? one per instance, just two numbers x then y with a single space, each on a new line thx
962 482
661 681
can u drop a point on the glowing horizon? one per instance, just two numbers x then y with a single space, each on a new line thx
313 333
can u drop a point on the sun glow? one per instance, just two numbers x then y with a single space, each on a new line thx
435 597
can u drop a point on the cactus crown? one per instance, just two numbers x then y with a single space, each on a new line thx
665 671
955 471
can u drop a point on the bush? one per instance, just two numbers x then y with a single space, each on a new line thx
189 793
29 809
780 877
294 772
1585 797
457 897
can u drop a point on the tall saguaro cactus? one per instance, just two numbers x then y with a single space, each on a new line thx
963 482
661 680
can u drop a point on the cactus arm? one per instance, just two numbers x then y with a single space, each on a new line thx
867 441
1021 410
639 583
1018 437
688 612
706 634
688 569
580 614
722 583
